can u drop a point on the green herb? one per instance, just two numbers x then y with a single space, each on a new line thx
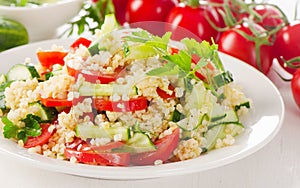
179 63
3 86
32 128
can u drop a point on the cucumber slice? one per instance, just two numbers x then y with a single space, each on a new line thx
89 89
217 113
22 72
230 118
213 134
45 113
91 131
139 143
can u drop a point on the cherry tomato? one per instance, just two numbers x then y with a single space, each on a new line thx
80 41
149 15
295 84
85 154
51 102
145 10
40 140
287 44
236 45
271 17
49 58
133 104
165 147
195 20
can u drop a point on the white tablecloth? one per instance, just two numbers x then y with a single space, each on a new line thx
276 165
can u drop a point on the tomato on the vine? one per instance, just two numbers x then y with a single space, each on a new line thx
287 45
149 15
145 10
120 10
270 18
199 20
232 42
295 85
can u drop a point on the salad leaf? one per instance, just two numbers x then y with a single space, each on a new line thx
204 50
182 60
167 69
32 128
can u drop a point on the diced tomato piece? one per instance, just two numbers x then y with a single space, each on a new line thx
40 140
164 95
165 147
104 159
49 58
80 41
98 155
51 102
133 104
104 78
108 147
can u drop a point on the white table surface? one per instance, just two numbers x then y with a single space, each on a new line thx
276 165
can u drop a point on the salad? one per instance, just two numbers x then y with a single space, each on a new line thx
123 98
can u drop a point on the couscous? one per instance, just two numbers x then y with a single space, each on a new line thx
125 98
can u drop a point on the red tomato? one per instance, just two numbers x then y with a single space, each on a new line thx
164 95
287 44
236 45
50 102
104 78
85 154
49 58
120 10
194 20
145 10
165 147
39 140
134 104
271 17
295 84
80 41
149 15
108 147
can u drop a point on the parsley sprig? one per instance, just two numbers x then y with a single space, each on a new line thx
32 128
179 63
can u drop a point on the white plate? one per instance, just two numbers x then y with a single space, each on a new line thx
263 124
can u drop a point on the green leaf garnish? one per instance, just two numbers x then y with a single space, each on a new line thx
32 128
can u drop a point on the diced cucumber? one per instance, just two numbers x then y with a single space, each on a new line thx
186 125
141 52
22 72
91 131
139 143
45 113
197 99
213 134
231 117
176 116
90 89
110 24
217 113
